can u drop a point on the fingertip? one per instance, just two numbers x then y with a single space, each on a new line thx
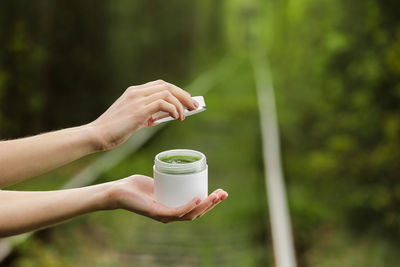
197 201
223 192
216 191
195 104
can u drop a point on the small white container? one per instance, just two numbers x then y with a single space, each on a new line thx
175 184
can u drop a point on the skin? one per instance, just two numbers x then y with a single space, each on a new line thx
25 158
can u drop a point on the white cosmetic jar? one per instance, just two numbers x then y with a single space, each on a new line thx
177 183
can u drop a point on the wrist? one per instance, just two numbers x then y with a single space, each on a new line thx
92 138
104 196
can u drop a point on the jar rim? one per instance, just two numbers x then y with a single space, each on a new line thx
180 168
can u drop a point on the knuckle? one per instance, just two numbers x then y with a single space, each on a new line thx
160 103
131 88
164 86
166 94
132 93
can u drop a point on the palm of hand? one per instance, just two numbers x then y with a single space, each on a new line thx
137 195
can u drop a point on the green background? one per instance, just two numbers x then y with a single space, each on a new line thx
335 67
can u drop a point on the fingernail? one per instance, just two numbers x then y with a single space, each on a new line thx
195 104
183 116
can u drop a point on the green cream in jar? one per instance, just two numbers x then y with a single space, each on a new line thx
180 159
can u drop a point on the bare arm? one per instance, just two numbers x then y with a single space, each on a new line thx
24 158
25 211
27 157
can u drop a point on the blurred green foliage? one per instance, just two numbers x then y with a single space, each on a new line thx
335 67
62 62
337 83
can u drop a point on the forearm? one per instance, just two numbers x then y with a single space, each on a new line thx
26 211
23 158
